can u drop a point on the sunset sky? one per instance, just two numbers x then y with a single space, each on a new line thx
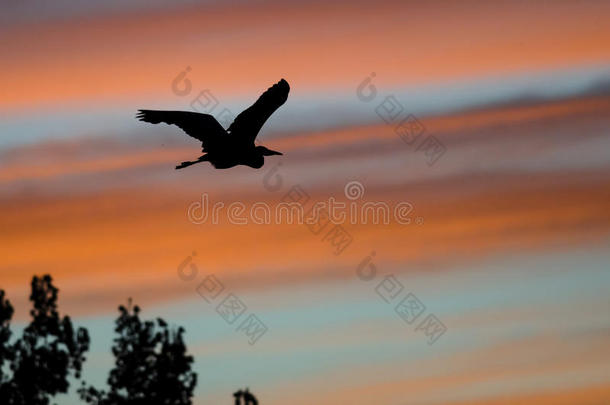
507 242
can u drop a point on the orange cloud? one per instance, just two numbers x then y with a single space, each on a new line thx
135 56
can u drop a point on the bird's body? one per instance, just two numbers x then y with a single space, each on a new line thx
246 155
227 148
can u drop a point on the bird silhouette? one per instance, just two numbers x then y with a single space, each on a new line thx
235 145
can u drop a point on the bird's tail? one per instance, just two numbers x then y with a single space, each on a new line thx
182 165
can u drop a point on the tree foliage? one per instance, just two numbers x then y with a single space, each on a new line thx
151 364
47 353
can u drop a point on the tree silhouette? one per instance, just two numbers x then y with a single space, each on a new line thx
151 365
46 354
6 354
248 397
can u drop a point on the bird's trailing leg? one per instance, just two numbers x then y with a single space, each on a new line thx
182 165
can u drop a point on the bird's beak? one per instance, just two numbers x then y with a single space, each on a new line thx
274 152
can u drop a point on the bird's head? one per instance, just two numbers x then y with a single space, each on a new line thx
267 152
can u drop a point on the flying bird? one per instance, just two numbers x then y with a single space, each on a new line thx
235 145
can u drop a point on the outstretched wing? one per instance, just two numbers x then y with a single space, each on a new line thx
200 126
251 120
